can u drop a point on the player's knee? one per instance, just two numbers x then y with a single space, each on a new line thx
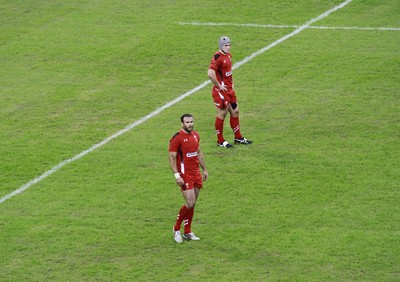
235 111
221 116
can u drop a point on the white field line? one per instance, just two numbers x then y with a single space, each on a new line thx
166 106
289 26
105 141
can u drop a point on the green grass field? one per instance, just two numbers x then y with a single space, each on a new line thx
315 198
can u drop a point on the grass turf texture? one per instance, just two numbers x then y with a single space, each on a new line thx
315 198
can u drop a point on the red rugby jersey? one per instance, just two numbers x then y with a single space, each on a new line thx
222 65
186 145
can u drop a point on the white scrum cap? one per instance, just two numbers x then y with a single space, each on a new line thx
223 40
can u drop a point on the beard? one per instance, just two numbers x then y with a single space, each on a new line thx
188 129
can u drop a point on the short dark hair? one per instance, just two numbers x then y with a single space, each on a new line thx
185 116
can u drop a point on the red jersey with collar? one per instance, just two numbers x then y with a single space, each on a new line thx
222 65
186 145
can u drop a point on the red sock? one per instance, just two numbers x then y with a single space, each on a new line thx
183 212
235 127
219 129
188 221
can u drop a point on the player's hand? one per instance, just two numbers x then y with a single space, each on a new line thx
205 175
180 181
222 88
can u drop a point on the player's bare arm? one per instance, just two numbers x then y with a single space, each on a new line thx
213 77
174 167
202 164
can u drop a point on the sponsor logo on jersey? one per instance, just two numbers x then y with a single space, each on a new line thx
191 154
228 73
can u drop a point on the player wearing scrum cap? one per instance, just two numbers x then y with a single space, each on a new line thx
220 74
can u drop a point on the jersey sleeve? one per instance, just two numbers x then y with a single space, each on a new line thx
174 143
215 63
